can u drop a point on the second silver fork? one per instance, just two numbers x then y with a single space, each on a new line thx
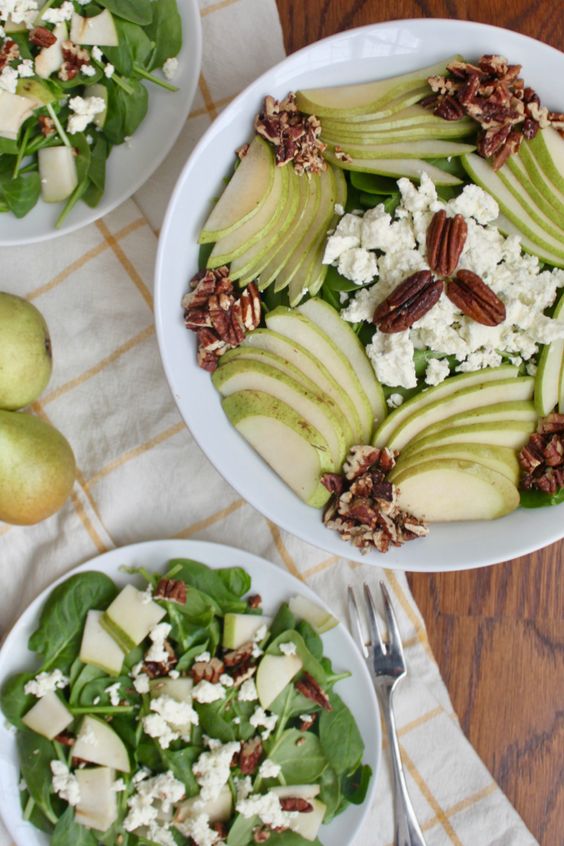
386 664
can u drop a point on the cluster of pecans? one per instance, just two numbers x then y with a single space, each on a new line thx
363 508
542 458
220 318
9 52
417 294
74 57
294 135
495 96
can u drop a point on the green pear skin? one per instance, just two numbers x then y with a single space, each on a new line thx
37 468
25 352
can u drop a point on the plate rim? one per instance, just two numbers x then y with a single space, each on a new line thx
194 43
198 550
334 544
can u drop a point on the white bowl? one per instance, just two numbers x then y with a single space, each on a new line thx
128 166
275 586
356 56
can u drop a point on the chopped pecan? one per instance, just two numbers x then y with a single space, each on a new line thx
446 237
551 423
239 655
220 829
254 601
42 37
447 107
9 52
46 125
242 151
240 663
475 299
156 669
261 834
311 689
306 721
296 803
341 155
74 57
333 482
250 755
542 458
65 739
174 590
294 135
407 303
207 670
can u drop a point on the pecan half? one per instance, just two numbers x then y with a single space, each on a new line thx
254 601
65 739
311 689
156 669
296 803
407 303
207 670
173 590
475 299
74 57
42 37
240 663
446 237
333 482
250 755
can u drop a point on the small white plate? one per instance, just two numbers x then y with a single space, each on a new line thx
356 56
128 166
275 586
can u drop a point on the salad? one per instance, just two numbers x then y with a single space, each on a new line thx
72 86
181 713
379 298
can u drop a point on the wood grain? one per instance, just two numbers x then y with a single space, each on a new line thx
497 632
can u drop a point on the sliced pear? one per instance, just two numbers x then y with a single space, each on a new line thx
410 116
548 376
273 674
218 809
498 412
318 271
97 807
501 459
474 396
450 385
509 228
98 648
50 59
57 169
99 30
513 434
294 449
14 111
98 90
318 617
543 194
538 177
307 825
452 489
366 97
561 396
318 409
330 322
318 188
244 194
548 148
130 618
548 221
178 689
297 327
10 26
310 366
412 168
98 743
483 174
48 716
349 138
240 628
402 101
238 241
414 149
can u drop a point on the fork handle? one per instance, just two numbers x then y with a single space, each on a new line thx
407 830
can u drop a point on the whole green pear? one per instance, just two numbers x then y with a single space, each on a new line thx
25 352
37 468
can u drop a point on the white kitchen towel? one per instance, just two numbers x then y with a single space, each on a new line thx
141 475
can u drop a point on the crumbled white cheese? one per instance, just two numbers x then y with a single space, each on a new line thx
260 633
9 79
96 54
25 68
170 720
87 70
437 371
198 830
226 680
170 68
141 775
147 595
211 742
288 648
96 700
205 691
46 683
350 225
392 358
338 209
114 692
212 769
358 265
19 11
163 789
85 110
248 691
269 769
63 13
259 718
119 786
244 787
109 70
157 651
174 674
379 233
394 400
475 202
479 360
203 657
267 807
64 783
337 245
417 198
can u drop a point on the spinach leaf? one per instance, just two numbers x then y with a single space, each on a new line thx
98 156
217 722
241 832
355 786
340 738
283 621
372 183
311 639
125 111
203 255
120 56
22 193
35 755
215 583
149 753
139 44
300 756
86 675
9 147
136 11
68 832
330 793
181 762
13 701
540 499
166 31
58 636
35 816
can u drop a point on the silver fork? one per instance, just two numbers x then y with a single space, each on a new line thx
386 664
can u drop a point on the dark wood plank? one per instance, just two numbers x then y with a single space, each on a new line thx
497 632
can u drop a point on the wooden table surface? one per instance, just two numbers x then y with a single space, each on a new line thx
498 632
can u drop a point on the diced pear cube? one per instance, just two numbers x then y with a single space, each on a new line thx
273 674
57 169
97 807
48 717
98 30
98 647
312 613
130 618
98 743
240 628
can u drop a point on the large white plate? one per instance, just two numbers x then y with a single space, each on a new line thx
356 56
275 586
128 166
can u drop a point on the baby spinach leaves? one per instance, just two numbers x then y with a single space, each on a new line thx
68 832
300 756
13 701
226 585
35 755
166 32
137 11
340 738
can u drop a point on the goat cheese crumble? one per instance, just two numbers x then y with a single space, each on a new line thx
157 651
163 789
259 718
85 110
269 769
170 720
212 769
248 691
288 648
46 683
170 68
19 11
64 783
63 13
267 807
205 691
114 693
